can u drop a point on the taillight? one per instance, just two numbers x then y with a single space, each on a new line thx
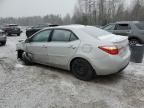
7 28
113 50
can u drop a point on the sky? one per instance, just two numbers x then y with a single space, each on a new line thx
19 8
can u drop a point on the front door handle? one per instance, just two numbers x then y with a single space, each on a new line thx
70 46
44 46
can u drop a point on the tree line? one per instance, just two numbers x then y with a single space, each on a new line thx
89 12
101 12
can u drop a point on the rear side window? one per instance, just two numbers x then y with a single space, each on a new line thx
122 27
63 36
140 26
73 37
13 26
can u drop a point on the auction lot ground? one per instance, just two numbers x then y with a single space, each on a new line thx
41 86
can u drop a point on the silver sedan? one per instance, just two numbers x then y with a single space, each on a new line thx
84 50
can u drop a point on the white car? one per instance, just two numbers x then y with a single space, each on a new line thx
83 50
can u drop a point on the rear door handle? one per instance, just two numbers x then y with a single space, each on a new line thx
73 47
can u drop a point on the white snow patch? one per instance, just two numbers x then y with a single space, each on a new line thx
19 66
69 87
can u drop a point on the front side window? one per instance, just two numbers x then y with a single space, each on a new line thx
122 27
41 36
61 35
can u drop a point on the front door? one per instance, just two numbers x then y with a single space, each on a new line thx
38 46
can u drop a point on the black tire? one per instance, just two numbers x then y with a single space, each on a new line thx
82 69
7 34
18 34
3 43
134 41
26 59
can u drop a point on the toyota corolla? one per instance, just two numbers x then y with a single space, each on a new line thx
86 51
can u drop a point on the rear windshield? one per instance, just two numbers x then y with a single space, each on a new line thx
94 31
140 26
13 25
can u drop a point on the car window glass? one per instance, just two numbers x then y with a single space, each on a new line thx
109 27
140 26
61 35
73 37
41 36
122 27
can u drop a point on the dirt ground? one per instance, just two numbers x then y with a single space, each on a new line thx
41 86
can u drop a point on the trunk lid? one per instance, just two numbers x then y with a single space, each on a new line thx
121 42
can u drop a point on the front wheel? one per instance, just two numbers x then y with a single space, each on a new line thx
26 58
82 69
18 34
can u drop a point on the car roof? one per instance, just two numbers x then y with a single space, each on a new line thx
77 30
11 25
71 27
128 22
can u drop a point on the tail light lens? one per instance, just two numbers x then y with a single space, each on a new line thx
113 50
7 28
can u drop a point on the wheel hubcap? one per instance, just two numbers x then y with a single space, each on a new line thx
81 69
133 42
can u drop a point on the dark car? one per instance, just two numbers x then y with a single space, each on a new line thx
11 29
32 30
3 37
133 29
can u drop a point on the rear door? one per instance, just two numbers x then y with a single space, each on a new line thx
62 47
38 46
122 29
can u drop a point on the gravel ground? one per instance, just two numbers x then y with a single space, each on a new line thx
41 86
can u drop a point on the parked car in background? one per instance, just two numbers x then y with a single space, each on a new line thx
11 29
32 30
84 50
3 37
133 29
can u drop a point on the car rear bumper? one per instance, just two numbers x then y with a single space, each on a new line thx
3 38
111 64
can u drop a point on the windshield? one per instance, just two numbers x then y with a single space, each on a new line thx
140 26
94 31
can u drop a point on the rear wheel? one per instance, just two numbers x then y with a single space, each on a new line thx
82 69
134 41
